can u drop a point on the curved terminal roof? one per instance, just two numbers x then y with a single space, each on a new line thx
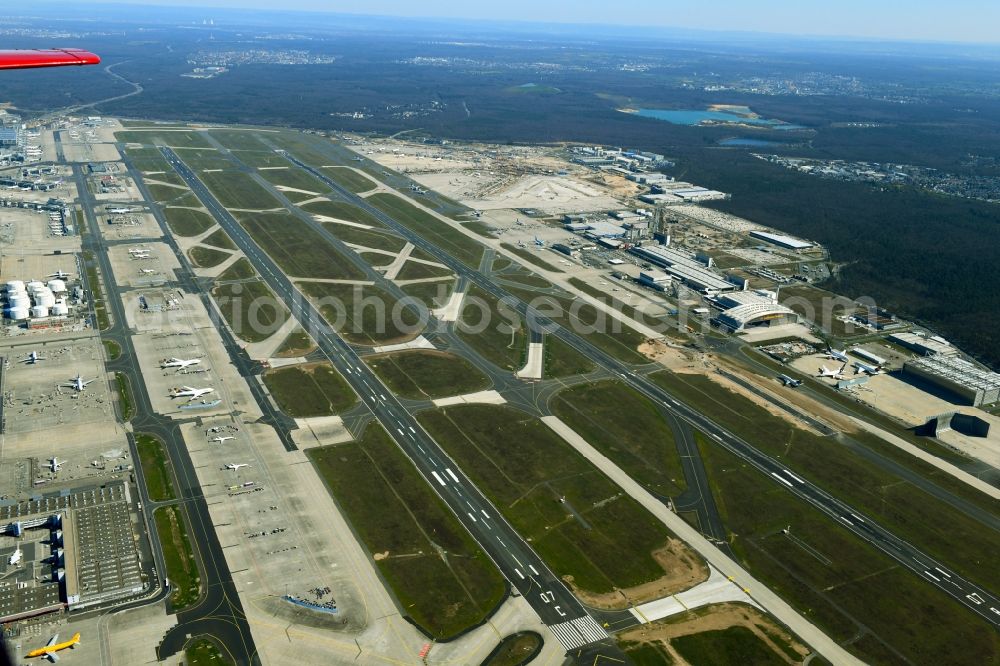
748 313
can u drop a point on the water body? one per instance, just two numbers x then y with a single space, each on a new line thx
714 116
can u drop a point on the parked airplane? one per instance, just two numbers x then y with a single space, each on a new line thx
860 367
15 558
788 381
220 439
147 271
179 362
60 275
78 383
539 242
55 464
837 354
236 466
53 646
33 358
141 256
835 374
190 393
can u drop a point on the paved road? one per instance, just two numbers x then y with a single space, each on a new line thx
219 613
972 596
548 596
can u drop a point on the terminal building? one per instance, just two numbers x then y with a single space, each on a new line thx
957 376
786 242
686 268
68 550
752 309
924 345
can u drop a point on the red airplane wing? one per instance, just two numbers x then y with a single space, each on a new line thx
46 58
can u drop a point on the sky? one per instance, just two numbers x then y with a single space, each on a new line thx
917 20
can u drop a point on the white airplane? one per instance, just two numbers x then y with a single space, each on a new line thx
788 381
141 256
190 393
147 271
55 464
837 354
78 383
15 557
60 275
220 439
835 374
860 368
138 250
33 358
236 466
179 362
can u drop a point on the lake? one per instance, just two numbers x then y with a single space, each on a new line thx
714 116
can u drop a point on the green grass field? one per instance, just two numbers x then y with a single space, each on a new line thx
251 309
561 360
441 234
102 319
312 390
515 649
204 652
297 343
363 314
422 374
219 239
534 258
297 248
295 178
601 330
235 189
431 294
413 270
350 179
155 470
126 404
648 654
238 139
438 574
526 279
735 645
207 257
910 513
628 428
342 211
260 158
831 576
377 240
164 137
493 329
187 222
182 569
598 535
166 194
112 349
240 270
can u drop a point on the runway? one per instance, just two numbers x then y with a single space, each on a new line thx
528 575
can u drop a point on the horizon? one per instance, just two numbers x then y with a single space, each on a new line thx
918 22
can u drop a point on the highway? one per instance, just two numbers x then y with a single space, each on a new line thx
545 592
972 596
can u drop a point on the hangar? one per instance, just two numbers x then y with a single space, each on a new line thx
761 313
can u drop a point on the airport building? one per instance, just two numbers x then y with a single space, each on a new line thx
957 376
752 309
924 345
786 242
75 549
686 268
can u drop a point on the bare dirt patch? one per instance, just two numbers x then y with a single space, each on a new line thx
683 570
712 618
